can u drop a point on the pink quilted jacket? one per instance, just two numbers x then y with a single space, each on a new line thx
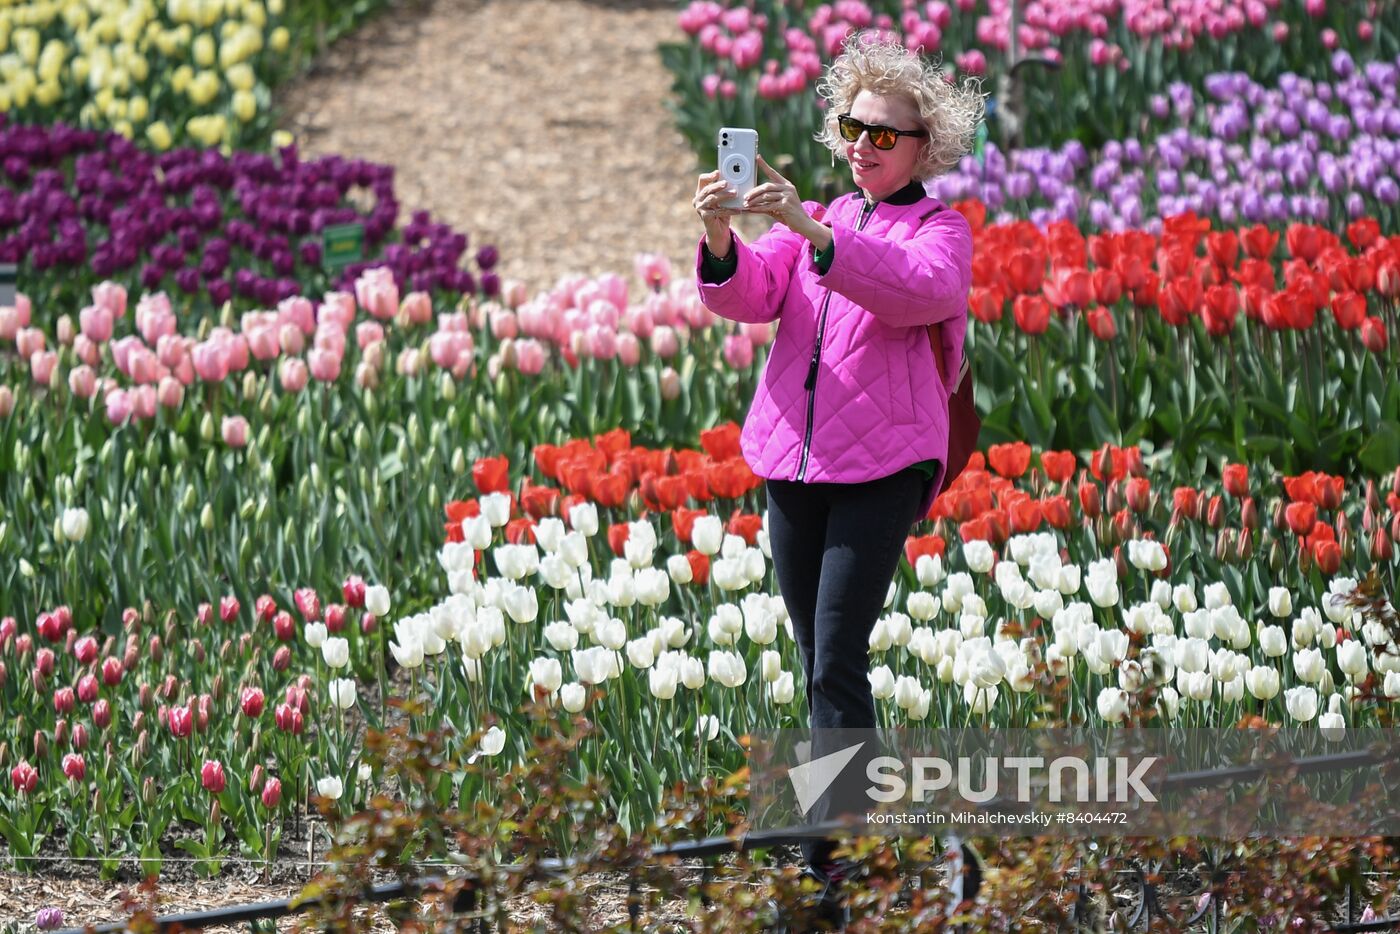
850 391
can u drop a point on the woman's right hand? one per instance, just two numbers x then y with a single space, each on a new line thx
710 191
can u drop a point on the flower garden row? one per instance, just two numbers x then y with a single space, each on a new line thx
754 64
163 73
1096 583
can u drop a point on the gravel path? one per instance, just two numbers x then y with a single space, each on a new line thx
537 125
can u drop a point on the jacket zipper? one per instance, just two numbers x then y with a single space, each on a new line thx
811 382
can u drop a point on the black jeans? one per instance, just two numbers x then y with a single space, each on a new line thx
836 547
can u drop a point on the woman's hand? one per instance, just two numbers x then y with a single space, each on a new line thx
777 198
710 191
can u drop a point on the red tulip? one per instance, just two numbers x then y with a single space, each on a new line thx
308 603
1058 465
250 699
1010 460
50 627
272 793
25 778
1025 272
204 614
985 304
1215 512
1089 499
284 627
1138 494
102 714
1349 308
85 650
1056 511
1222 304
80 737
1223 247
1101 323
1373 336
1304 241
1364 232
1179 298
228 608
335 617
492 474
1032 313
1259 241
87 689
353 590
1186 500
63 700
74 767
288 719
181 722
1388 278
44 662
1301 517
1327 555
111 671
699 567
1381 547
282 658
1236 478
211 776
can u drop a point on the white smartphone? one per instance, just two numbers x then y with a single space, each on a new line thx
738 162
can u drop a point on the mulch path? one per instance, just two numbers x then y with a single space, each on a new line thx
539 126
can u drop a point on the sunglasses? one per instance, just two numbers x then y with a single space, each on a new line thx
884 137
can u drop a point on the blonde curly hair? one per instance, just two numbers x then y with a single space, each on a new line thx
871 62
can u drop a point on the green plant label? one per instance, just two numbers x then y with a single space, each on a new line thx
341 245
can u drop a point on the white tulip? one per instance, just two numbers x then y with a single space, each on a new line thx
1192 655
692 673
981 700
1308 665
492 742
707 534
906 691
728 574
1044 571
1351 658
74 524
561 636
707 727
1217 595
727 668
1161 595
1280 602
1232 691
1168 703
572 696
1139 618
549 533
496 508
881 682
471 669
1069 580
1301 703
985 667
781 689
1184 598
652 585
958 586
1055 660
640 545
407 652
343 692
1332 725
922 605
678 566
583 518
1391 685
1263 682
929 570
1047 603
515 561
1130 676
761 626
574 550
611 634
594 665
662 682
754 565
547 673
978 556
971 625
1327 635
673 632
556 573
1273 641
330 787
1146 554
770 665
1112 704
1018 673
1198 624
336 652
641 653
1197 685
377 600
315 634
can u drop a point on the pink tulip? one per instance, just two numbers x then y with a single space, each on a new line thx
263 343
171 349
236 348
228 608
408 362
82 381
87 689
64 700
235 431
118 403
601 342
86 351
530 357
42 365
211 776
298 311
418 307
377 292
325 366
251 701
211 361
96 323
292 374
74 767
308 603
368 332
272 793
759 335
664 342
111 672
10 323
513 293
292 339
170 393
184 370
330 340
373 356
143 401
738 351
367 376
447 348
503 324
85 650
111 296
143 365
29 341
80 737
629 349
337 308
64 331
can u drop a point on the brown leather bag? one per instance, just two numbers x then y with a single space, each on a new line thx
963 422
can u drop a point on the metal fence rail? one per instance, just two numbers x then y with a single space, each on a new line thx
711 847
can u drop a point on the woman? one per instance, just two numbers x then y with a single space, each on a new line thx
849 424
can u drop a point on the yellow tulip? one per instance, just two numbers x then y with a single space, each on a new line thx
241 77
121 79
103 98
140 69
254 13
125 128
276 7
48 93
80 69
27 45
6 99
203 50
168 42
280 39
245 105
181 78
159 135
140 109
281 138
87 116
204 88
115 110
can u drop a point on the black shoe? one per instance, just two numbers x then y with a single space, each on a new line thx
831 907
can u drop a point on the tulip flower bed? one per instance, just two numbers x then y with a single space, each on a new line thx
1095 583
88 206
753 64
164 73
1236 151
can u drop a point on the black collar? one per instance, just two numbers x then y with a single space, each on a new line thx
914 191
